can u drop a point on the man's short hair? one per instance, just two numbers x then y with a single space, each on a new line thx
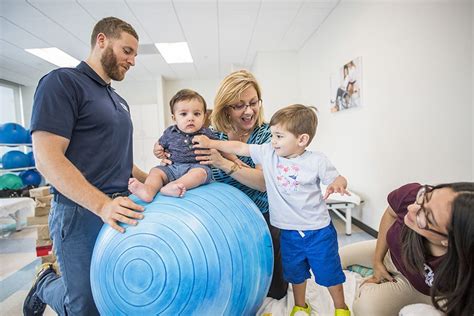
298 119
112 27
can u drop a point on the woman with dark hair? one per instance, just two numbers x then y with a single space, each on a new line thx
424 252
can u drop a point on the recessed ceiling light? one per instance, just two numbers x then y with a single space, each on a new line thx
175 53
55 56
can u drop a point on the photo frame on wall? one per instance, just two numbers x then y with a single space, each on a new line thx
346 86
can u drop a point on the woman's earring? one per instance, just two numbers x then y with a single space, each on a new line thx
444 243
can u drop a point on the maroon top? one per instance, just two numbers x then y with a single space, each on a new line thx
399 201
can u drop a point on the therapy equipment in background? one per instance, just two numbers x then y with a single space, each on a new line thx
13 133
342 206
31 177
15 159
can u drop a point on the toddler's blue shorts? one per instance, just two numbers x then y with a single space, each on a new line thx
317 250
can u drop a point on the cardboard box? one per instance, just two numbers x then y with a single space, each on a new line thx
42 211
41 191
36 220
42 201
43 232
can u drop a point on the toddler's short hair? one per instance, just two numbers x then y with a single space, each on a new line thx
298 119
185 95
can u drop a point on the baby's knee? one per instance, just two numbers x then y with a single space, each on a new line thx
201 173
159 174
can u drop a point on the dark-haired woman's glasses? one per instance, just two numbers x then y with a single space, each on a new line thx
255 104
424 195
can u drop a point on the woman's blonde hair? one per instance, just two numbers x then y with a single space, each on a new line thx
230 89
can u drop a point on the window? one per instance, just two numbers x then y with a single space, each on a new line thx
11 107
7 100
10 103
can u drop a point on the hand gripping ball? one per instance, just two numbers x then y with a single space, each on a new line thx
208 253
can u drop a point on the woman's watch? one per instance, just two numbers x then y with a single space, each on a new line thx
233 169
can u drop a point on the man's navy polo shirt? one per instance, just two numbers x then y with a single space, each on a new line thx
77 104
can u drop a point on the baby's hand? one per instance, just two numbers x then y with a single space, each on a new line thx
160 153
201 141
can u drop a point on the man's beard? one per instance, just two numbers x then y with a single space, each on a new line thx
110 65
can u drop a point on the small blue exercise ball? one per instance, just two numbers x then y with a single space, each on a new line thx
15 159
208 253
31 157
31 177
12 133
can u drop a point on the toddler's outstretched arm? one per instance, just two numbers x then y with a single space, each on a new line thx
230 147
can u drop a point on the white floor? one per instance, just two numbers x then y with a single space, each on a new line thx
18 263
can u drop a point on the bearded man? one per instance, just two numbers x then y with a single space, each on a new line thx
82 142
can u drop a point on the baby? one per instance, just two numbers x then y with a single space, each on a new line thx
188 109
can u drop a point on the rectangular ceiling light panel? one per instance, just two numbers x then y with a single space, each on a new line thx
55 56
175 53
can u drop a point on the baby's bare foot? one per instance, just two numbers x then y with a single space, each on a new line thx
133 185
174 189
140 190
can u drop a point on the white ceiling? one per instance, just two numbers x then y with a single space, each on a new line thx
222 34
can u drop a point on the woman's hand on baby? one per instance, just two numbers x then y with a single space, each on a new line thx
201 141
380 275
210 157
160 153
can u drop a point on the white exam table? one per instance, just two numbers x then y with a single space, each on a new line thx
337 203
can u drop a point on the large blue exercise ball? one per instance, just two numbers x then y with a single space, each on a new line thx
208 253
15 159
12 133
31 177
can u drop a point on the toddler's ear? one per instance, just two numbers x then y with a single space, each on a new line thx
303 140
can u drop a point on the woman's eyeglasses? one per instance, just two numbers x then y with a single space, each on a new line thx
242 107
423 196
